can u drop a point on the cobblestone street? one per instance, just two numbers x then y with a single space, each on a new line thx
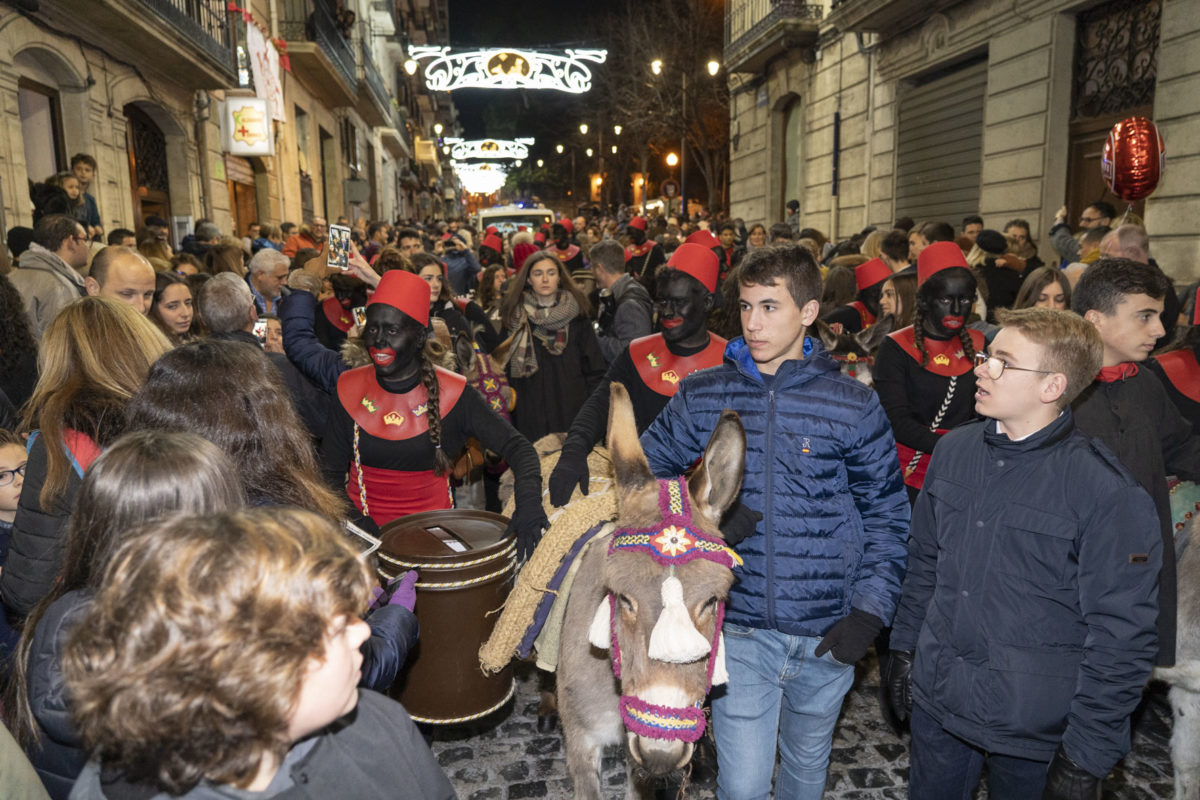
505 758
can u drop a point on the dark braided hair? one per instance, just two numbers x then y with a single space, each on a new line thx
924 297
433 416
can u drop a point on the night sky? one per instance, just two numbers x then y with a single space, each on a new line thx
548 116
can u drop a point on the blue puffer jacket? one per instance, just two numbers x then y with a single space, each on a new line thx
821 466
322 366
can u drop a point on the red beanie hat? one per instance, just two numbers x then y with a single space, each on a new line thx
873 272
566 223
698 261
639 223
704 238
540 237
937 257
404 291
495 242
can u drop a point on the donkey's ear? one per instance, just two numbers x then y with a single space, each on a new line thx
630 467
718 479
870 338
826 334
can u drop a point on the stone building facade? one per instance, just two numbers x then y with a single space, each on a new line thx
138 85
867 110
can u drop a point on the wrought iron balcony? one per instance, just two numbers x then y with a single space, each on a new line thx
374 100
203 24
884 17
757 31
320 50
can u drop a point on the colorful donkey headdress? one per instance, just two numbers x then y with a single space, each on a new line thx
674 638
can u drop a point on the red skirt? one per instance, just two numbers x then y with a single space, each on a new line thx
395 493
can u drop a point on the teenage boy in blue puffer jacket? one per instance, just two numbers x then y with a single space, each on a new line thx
823 567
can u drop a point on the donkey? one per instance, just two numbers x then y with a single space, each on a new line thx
856 351
651 593
1184 677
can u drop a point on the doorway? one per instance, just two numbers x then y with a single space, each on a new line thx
146 148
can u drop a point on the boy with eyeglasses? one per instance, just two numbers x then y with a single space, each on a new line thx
1026 624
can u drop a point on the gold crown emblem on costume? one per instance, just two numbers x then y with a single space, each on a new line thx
393 418
941 359
368 405
670 377
653 359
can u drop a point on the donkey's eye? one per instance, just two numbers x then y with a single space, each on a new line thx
627 603
709 607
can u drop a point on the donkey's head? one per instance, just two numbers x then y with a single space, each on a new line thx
667 575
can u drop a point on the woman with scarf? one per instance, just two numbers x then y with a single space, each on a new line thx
554 360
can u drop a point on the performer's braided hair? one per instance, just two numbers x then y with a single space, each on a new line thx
433 416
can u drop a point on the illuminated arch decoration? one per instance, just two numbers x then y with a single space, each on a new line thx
481 178
489 148
567 71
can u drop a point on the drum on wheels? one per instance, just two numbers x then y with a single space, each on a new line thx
466 565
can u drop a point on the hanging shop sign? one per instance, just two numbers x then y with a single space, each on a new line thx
565 71
489 148
246 127
264 64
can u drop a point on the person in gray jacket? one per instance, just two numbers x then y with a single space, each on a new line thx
625 306
48 273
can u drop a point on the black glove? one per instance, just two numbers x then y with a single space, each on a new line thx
529 528
850 636
568 473
898 683
1066 780
740 522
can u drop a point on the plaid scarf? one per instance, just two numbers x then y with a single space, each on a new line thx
548 323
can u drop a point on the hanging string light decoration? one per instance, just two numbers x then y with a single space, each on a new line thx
565 71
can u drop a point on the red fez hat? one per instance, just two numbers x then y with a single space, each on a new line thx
404 291
698 261
704 238
937 257
492 229
495 242
540 237
639 223
522 228
566 223
873 272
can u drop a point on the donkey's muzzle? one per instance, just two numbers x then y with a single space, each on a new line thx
659 757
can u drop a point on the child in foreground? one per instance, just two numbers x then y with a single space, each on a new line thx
222 653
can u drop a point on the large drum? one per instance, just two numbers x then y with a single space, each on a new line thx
466 565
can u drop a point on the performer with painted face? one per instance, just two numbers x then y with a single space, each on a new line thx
562 246
643 256
400 419
924 373
652 366
336 315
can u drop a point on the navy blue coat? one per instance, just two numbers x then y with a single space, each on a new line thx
1031 594
821 466
322 366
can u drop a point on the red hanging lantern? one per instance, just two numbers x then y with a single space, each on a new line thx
1133 158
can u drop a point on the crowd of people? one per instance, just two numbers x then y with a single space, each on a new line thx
184 430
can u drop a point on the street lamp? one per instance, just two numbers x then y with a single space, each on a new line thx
672 159
714 67
589 152
614 149
656 66
617 130
583 128
540 163
437 128
410 66
558 149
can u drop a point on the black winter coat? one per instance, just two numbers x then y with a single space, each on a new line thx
550 398
1135 419
1030 598
38 537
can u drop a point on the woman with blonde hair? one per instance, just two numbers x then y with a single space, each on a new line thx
225 258
555 360
94 356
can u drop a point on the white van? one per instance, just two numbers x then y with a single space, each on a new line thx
508 218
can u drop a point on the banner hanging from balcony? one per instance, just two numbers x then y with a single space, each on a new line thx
264 64
566 71
246 127
489 148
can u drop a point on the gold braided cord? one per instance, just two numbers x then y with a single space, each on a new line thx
512 689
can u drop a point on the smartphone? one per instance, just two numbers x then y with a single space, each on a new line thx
260 330
365 543
360 316
339 247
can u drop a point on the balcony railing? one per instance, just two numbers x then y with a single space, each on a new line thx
756 29
203 23
319 25
373 79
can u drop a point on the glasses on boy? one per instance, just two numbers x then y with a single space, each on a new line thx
994 366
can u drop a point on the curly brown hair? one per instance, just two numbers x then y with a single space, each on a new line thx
189 663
